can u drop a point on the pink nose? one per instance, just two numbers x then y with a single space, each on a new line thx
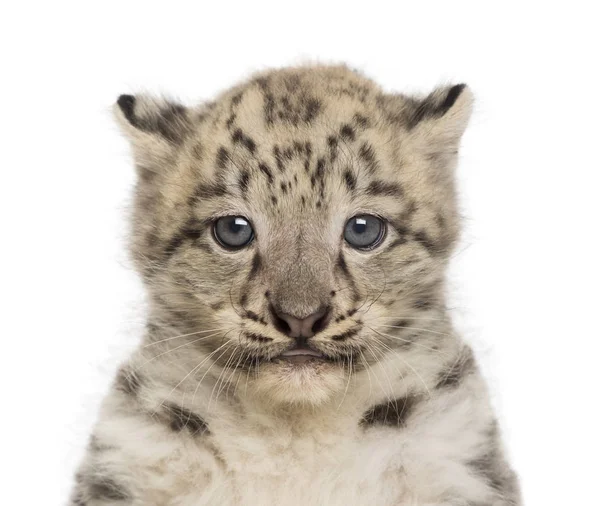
305 327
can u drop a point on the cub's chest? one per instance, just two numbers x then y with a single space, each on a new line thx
351 468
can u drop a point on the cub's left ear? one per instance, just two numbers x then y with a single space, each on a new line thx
443 115
155 127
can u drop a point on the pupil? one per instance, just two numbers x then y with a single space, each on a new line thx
359 228
234 227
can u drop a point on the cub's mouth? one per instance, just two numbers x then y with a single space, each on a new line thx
301 355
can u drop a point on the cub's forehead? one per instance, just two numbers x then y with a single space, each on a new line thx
300 138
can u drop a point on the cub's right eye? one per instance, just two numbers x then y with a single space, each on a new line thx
233 232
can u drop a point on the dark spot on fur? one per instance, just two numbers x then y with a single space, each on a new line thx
222 157
257 337
239 137
128 381
350 180
264 168
243 182
379 187
367 155
320 170
361 120
278 158
255 267
347 133
345 335
210 190
102 488
457 371
181 418
424 240
313 108
390 414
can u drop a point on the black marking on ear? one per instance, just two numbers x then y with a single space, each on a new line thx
128 381
169 121
264 168
127 105
451 98
432 108
102 488
255 267
457 371
390 414
380 188
181 418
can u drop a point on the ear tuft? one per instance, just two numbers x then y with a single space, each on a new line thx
442 116
155 127
127 104
438 103
453 93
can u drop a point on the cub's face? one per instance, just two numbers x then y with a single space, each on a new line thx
292 230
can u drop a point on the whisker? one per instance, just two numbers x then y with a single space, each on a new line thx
183 335
178 347
415 328
408 365
408 341
186 376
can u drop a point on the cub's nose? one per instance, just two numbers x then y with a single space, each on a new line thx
301 327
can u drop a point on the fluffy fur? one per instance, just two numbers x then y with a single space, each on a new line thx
203 413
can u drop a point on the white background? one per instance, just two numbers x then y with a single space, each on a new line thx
525 280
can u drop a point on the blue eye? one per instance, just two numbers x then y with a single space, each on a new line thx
233 232
364 231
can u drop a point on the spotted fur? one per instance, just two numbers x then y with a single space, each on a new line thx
204 412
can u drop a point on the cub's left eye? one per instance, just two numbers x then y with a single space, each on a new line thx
364 231
233 232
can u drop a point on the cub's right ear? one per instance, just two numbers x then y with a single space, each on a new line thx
155 128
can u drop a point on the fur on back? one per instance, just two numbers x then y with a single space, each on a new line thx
206 411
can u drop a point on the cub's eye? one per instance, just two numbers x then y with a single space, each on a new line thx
233 232
364 231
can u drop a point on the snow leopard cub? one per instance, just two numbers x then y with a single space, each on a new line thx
293 237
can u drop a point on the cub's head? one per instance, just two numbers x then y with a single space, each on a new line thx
293 231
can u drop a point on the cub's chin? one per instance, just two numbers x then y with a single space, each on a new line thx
299 380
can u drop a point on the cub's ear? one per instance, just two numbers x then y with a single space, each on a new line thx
442 116
155 128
